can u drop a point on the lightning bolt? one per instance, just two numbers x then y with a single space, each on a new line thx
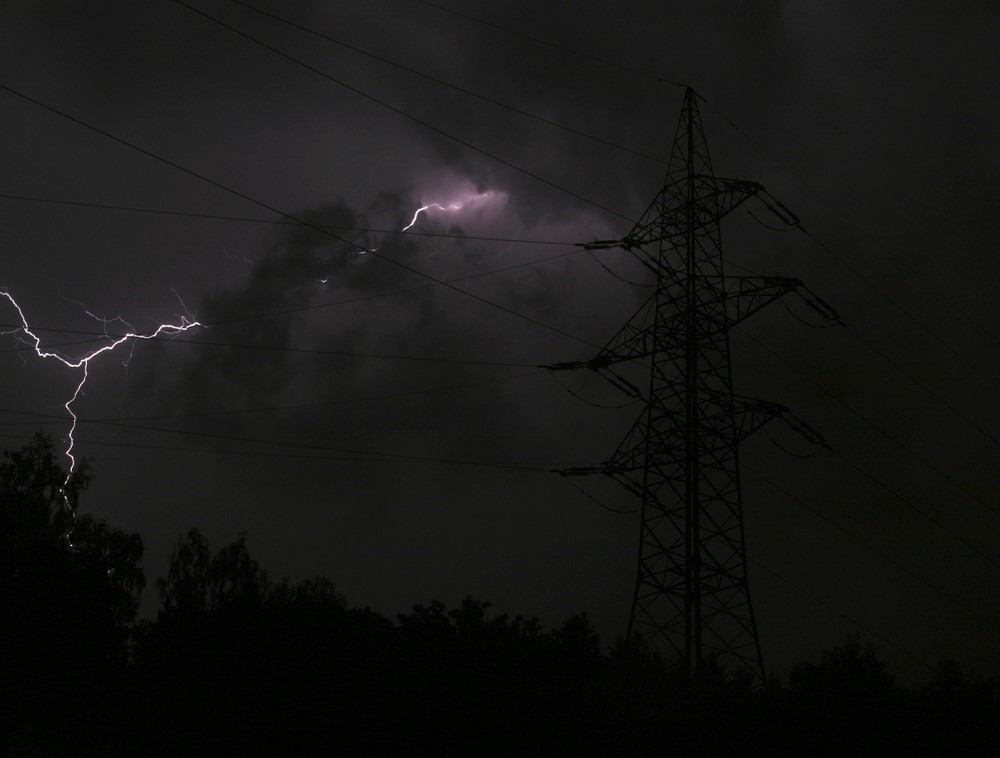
83 364
416 215
456 206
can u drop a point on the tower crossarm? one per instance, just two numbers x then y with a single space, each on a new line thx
741 297
751 414
745 295
727 420
729 194
673 215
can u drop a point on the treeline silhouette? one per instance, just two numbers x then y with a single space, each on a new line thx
237 663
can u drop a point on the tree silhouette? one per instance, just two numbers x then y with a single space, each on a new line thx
198 582
69 591
851 685
237 664
962 710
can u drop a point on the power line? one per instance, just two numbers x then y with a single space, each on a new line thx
889 299
852 269
433 283
102 336
306 457
354 354
404 114
338 453
889 559
595 501
279 408
920 383
450 85
904 500
881 430
292 217
280 222
840 613
901 262
916 509
554 46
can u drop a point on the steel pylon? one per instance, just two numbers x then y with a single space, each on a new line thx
681 456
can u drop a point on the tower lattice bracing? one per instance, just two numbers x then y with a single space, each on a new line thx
681 456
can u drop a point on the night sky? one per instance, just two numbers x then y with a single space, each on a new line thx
335 399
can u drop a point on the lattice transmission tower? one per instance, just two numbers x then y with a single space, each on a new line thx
680 457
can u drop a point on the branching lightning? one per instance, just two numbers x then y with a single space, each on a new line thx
29 338
83 364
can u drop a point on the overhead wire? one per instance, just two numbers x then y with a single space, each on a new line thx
950 406
897 306
293 217
868 545
917 509
937 523
282 222
880 291
806 322
818 447
619 277
912 506
595 501
449 85
404 114
901 262
352 458
433 283
924 462
816 599
344 453
553 45
923 385
103 336
584 400
270 409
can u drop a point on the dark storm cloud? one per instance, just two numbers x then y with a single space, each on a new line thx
338 289
263 315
